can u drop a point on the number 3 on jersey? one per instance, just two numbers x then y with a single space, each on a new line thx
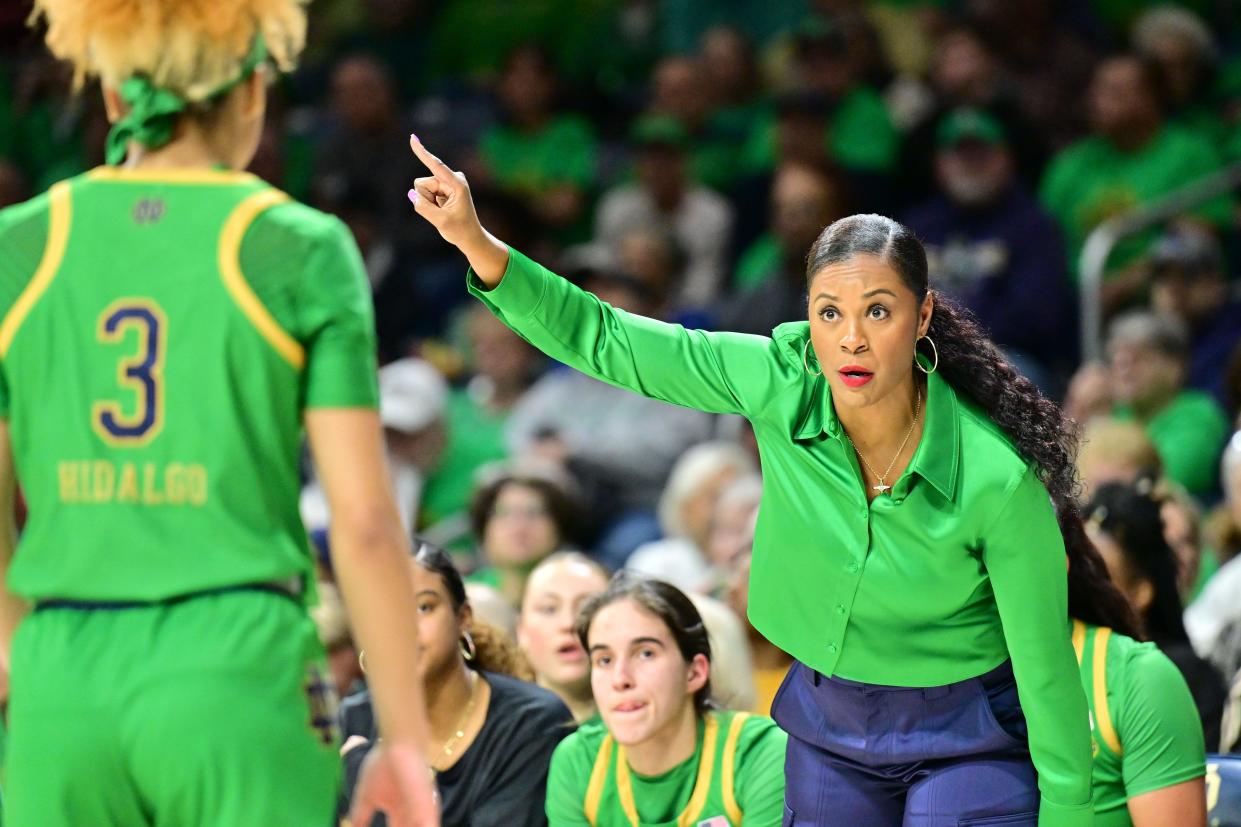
137 416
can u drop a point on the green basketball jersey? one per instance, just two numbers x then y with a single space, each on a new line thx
735 777
1145 727
160 336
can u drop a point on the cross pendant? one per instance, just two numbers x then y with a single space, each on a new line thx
882 489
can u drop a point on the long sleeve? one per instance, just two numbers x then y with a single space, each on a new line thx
1025 559
716 372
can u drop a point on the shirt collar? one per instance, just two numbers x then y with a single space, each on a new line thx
939 452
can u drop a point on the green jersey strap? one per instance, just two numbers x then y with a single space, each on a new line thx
1090 644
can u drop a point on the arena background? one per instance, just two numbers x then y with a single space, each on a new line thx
1073 168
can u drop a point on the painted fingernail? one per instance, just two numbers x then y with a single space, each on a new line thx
414 137
413 197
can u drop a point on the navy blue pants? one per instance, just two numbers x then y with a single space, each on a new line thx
862 755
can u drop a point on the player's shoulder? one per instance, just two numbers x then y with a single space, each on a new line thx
16 217
284 231
754 726
1140 668
1140 676
292 221
756 734
25 230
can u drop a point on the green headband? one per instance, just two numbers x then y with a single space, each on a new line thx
153 112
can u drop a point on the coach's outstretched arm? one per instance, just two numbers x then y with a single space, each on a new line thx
717 372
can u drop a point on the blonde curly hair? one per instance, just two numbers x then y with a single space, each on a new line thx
190 47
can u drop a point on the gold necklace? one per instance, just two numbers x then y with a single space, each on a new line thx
883 488
459 732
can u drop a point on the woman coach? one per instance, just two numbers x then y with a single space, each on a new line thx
907 553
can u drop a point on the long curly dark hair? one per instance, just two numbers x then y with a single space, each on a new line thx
973 365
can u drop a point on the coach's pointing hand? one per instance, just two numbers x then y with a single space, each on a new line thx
443 199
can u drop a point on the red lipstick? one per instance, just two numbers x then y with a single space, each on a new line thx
855 376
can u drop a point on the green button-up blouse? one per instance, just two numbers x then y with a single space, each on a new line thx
960 568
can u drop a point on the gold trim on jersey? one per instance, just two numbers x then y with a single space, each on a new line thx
59 217
1098 679
598 778
1098 665
171 176
729 769
235 282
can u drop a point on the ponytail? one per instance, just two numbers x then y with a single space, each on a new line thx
494 652
1043 436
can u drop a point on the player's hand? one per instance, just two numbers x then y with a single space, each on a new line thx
443 199
395 780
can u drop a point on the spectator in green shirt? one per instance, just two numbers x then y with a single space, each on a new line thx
733 78
504 368
912 529
770 278
546 157
1181 43
1148 359
681 90
1134 157
859 133
519 518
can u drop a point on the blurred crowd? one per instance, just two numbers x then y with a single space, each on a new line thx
677 158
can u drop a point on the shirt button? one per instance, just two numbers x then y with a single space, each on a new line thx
862 512
851 568
831 647
840 609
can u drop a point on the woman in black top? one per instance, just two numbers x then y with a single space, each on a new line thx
492 733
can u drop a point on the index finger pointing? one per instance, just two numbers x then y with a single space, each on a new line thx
438 168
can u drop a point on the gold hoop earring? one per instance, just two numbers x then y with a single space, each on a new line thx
362 660
468 650
934 350
805 360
